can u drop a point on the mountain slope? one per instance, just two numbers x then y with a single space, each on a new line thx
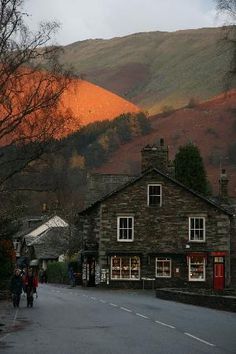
81 103
211 126
90 103
155 68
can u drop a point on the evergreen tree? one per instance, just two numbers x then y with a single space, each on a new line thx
189 168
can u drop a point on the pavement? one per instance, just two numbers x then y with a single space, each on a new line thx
7 315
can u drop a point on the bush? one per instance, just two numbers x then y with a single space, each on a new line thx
193 102
58 273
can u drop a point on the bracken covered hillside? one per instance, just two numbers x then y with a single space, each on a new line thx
90 103
211 125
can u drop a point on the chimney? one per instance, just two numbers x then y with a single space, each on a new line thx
156 156
223 185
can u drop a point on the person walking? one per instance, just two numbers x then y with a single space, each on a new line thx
31 284
16 287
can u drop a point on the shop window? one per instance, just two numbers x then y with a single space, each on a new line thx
154 194
197 268
197 229
125 228
163 267
125 268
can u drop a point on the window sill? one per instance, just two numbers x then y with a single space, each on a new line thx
122 279
125 240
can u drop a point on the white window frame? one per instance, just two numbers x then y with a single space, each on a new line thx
204 270
130 271
189 228
118 228
164 259
148 195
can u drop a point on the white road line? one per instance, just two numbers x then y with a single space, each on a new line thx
199 339
125 309
165 324
113 304
140 315
93 298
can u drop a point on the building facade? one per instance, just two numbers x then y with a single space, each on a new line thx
154 228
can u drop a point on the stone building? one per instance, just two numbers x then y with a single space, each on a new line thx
154 228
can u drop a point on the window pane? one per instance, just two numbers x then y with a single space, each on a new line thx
196 268
196 231
163 267
125 268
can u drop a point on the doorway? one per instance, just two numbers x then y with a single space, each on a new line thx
219 273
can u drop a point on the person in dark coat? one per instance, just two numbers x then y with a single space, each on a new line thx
16 286
31 283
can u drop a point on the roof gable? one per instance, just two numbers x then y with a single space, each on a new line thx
149 171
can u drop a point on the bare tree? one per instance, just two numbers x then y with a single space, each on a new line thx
30 114
227 9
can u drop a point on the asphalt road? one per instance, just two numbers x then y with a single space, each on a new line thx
89 321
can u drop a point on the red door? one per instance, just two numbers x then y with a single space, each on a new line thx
219 276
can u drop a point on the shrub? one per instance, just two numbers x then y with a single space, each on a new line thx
193 102
58 272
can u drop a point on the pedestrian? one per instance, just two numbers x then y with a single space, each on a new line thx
31 284
16 287
44 276
71 276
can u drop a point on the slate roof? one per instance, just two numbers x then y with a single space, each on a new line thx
207 200
51 243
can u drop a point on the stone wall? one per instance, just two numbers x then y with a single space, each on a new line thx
226 303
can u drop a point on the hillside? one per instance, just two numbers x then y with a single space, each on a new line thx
211 125
90 103
154 69
81 103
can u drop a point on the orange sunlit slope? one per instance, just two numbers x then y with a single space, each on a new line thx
80 104
90 103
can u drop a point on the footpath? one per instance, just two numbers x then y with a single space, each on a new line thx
7 318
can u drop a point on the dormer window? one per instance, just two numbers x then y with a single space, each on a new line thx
154 195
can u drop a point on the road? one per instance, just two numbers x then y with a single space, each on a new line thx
89 321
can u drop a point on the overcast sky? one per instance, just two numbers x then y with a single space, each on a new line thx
84 19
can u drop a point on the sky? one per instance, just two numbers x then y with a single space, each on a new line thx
85 19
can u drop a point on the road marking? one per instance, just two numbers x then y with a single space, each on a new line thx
140 315
113 304
199 339
164 324
104 302
93 298
125 309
